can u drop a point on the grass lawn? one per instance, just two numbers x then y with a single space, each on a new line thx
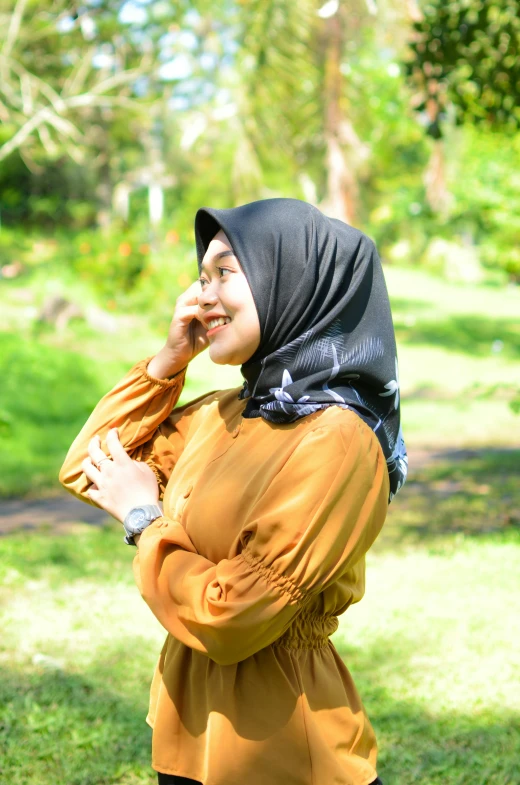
433 648
459 350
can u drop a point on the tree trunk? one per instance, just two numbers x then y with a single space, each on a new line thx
104 178
437 193
342 188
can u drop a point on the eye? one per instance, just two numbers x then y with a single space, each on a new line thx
227 269
221 270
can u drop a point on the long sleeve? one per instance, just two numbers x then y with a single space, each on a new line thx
140 407
309 529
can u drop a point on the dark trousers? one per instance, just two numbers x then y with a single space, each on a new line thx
174 779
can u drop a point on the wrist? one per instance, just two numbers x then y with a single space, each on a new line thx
164 365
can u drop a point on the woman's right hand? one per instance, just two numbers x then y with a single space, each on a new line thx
186 336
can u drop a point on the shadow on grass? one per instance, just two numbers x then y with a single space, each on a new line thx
58 727
473 492
470 334
419 747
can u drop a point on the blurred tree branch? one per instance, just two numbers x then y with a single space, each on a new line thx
48 104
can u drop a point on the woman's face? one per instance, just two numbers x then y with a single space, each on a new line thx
225 293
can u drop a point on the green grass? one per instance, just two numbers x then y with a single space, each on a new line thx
459 350
72 690
457 493
47 394
434 645
433 648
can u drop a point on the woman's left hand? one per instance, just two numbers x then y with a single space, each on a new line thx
118 482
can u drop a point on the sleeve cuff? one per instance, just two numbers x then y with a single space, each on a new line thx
173 381
166 531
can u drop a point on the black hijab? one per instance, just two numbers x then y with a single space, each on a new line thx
327 337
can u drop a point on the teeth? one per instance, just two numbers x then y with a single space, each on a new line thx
219 321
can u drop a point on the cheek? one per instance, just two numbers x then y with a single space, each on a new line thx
249 316
239 301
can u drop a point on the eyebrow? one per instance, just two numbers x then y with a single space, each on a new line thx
217 256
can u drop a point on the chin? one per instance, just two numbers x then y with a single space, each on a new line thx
224 358
221 358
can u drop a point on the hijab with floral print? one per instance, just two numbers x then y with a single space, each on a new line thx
327 337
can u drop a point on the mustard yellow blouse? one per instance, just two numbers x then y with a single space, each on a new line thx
260 549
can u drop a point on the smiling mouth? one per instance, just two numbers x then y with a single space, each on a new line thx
220 320
217 324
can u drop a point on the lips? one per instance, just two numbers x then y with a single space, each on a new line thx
216 329
210 316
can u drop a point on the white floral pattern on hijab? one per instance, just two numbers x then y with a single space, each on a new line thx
327 337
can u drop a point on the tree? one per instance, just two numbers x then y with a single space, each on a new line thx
58 63
466 53
74 79
299 99
464 59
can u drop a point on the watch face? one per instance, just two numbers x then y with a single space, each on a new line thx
136 519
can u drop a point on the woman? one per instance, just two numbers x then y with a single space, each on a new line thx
272 495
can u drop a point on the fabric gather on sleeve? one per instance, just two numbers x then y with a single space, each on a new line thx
271 576
311 528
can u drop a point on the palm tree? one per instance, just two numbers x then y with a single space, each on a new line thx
296 102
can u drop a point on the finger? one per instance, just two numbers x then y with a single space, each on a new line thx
191 295
94 450
94 493
188 312
90 471
116 449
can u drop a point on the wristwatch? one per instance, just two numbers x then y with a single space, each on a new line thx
138 519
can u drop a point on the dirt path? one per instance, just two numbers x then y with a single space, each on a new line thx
59 512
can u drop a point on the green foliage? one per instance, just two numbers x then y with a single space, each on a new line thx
485 184
466 53
282 106
81 97
515 403
248 116
126 267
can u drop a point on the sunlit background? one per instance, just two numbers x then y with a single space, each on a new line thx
118 120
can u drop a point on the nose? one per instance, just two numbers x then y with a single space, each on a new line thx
207 297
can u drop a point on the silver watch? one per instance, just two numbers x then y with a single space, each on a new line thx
138 519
